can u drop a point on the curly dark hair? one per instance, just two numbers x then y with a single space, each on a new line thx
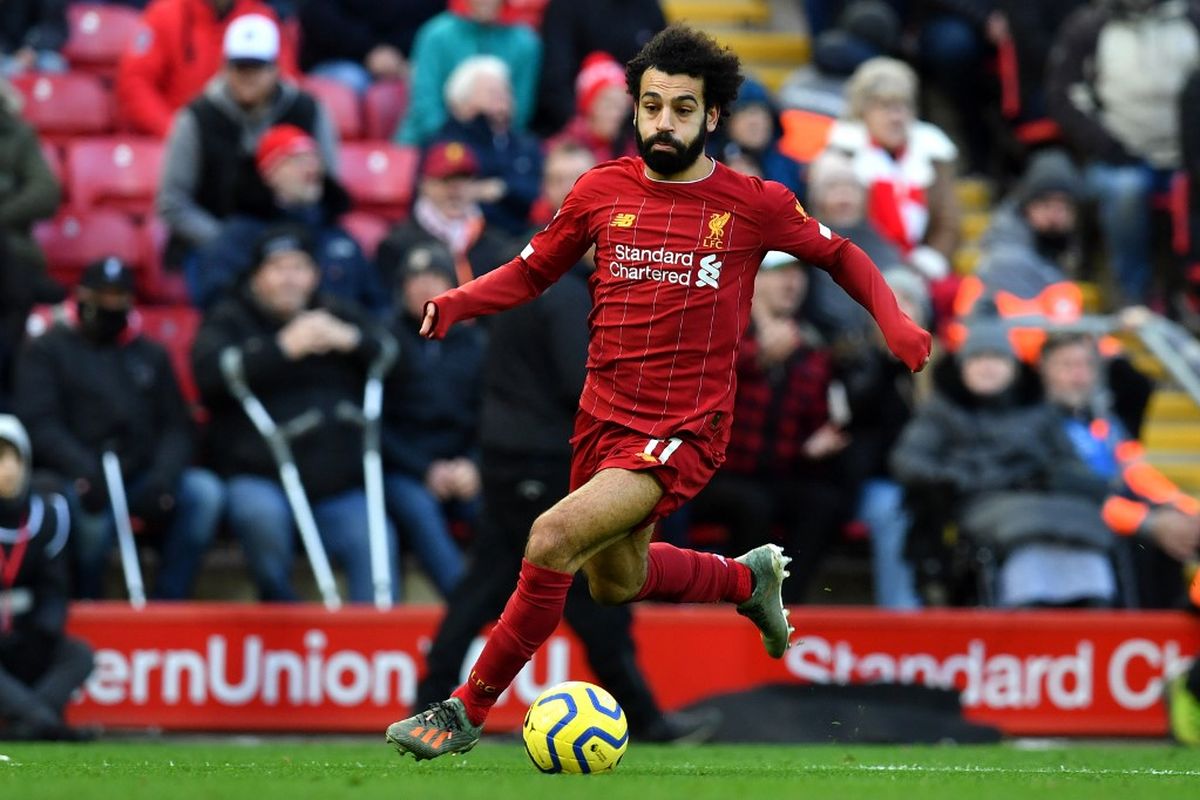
680 50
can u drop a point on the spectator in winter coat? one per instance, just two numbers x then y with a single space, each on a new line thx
446 211
571 31
99 385
1146 504
954 51
1114 80
28 192
989 455
450 38
294 187
753 129
1032 29
32 32
1189 134
357 42
603 110
907 165
838 198
881 394
211 148
177 50
302 353
479 96
778 468
40 666
431 421
1035 237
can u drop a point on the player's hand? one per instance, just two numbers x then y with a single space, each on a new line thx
429 323
910 343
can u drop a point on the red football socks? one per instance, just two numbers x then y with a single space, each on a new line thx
531 615
687 576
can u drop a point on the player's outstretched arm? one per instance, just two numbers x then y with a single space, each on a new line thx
790 229
503 288
544 260
855 272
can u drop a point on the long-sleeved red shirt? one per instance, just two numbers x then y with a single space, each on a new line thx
675 267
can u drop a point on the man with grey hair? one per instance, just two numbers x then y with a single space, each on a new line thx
479 95
449 39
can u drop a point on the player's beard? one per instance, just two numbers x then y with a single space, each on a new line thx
674 161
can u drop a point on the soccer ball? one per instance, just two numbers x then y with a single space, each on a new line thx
575 727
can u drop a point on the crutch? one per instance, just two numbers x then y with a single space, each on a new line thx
120 510
279 438
369 417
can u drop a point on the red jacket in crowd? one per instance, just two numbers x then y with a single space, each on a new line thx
177 50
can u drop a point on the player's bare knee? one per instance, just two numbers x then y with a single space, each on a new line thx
548 544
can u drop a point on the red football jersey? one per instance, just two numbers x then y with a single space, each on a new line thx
675 267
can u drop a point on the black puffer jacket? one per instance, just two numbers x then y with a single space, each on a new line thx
330 457
965 445
78 398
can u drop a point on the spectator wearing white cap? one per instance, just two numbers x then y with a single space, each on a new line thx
211 148
178 48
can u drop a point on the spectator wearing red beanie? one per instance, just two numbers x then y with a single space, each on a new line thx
292 188
603 110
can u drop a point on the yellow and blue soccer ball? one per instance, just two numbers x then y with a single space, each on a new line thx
575 727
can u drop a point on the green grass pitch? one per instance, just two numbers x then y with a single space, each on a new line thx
499 770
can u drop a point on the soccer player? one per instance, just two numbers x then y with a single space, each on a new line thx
678 240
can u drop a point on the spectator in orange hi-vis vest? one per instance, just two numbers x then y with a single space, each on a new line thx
174 54
1145 502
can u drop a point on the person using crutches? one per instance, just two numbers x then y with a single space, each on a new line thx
277 365
106 416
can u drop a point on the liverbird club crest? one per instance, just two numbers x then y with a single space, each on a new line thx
716 229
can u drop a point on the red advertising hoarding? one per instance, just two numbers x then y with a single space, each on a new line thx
299 668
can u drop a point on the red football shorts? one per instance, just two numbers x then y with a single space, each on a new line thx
683 464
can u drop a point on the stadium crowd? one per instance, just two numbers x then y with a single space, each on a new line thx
292 180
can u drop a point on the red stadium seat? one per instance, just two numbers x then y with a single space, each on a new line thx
367 229
98 35
167 287
54 160
340 102
380 177
117 172
527 12
71 241
62 106
383 107
174 327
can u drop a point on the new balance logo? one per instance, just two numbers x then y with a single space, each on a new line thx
710 271
623 220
